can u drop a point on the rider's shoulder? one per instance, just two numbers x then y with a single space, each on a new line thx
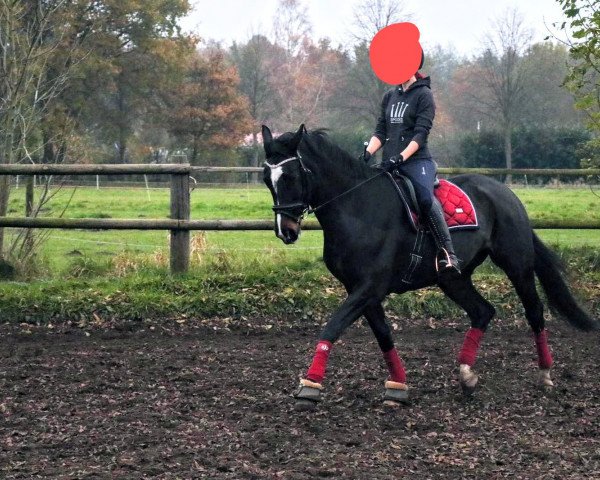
389 93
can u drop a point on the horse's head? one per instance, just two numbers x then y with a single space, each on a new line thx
287 179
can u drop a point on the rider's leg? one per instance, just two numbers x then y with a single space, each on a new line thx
443 240
422 175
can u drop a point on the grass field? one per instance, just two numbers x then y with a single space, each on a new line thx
65 249
83 276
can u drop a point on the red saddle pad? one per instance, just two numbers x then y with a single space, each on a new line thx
458 208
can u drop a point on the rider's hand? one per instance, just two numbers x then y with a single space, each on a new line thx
365 156
391 163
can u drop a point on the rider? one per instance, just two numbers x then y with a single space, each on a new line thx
407 112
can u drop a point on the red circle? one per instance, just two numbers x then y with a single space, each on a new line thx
395 52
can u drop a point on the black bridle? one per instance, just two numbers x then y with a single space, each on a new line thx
304 205
289 209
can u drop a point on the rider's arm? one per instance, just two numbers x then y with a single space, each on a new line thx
410 149
423 124
380 134
374 145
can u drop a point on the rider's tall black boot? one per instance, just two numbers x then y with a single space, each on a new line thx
448 263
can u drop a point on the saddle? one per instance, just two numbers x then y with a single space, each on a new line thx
459 211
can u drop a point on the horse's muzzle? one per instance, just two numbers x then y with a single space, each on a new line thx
287 229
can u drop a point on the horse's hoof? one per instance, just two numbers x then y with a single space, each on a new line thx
395 404
307 395
468 380
304 405
545 380
396 394
467 390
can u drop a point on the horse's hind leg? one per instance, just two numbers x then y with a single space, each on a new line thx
534 311
396 390
480 311
522 276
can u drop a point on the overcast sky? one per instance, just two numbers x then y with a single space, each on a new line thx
460 23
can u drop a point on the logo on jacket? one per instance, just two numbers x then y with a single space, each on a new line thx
397 112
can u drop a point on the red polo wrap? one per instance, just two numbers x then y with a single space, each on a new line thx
543 351
395 367
316 372
468 353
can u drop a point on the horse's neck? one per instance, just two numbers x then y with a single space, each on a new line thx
331 182
341 195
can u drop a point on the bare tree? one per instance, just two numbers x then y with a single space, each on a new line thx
362 93
291 26
503 75
549 104
298 82
370 16
32 37
254 62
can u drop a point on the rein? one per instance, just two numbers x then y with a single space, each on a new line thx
313 210
304 204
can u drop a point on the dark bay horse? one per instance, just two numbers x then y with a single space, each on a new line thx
368 243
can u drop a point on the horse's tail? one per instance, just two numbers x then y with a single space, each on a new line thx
549 270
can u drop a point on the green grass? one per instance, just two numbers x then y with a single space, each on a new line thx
245 290
560 203
67 249
86 275
63 247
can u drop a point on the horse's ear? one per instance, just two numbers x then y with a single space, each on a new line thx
266 134
267 138
298 137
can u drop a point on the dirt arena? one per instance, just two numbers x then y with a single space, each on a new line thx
189 402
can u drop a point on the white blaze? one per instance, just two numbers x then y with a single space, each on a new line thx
279 232
276 173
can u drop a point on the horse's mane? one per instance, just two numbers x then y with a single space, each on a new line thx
319 144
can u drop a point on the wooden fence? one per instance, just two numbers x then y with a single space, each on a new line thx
180 224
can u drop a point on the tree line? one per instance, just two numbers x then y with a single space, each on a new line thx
118 81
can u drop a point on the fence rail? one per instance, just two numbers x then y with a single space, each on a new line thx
180 223
173 169
220 225
95 169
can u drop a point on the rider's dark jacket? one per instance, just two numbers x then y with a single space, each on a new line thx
405 116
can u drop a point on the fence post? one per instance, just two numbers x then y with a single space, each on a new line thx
29 199
29 196
180 210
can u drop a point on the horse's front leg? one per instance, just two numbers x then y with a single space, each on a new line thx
396 390
309 391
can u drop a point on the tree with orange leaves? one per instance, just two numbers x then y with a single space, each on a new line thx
208 110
